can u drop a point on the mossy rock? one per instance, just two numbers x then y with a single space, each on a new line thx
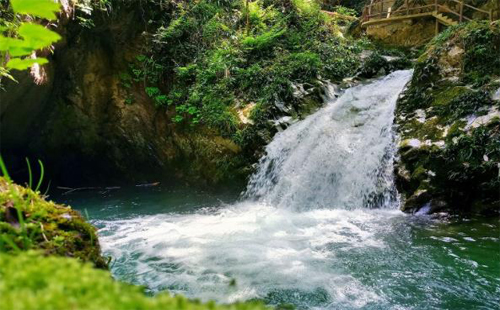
478 59
429 129
29 221
456 159
443 98
419 174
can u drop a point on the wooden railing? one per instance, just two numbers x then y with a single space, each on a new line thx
458 9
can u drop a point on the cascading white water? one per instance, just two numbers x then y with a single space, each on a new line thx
340 157
308 213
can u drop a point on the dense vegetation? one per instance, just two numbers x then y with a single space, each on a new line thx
211 60
20 39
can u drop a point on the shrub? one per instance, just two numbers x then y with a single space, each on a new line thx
258 44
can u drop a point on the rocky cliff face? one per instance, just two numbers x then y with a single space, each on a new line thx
90 121
79 122
449 124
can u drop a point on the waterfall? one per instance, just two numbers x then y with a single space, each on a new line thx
304 228
339 157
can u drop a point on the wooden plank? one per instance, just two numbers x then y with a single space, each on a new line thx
474 8
378 17
392 19
461 10
444 8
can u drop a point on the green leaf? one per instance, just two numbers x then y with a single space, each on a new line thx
15 47
37 36
152 91
23 64
41 8
5 73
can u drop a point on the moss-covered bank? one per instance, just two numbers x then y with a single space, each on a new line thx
28 221
29 281
449 123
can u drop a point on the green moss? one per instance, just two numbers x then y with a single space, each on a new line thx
28 221
29 281
477 66
419 174
464 104
454 103
373 65
431 129
455 130
443 98
472 165
481 42
309 104
449 87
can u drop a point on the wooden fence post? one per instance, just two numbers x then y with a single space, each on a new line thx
496 14
461 10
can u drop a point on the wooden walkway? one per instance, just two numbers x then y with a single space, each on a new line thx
445 12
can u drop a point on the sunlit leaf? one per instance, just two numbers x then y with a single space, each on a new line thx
23 64
5 73
34 37
4 43
15 47
41 8
37 36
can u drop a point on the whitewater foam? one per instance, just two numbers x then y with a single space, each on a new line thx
262 248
